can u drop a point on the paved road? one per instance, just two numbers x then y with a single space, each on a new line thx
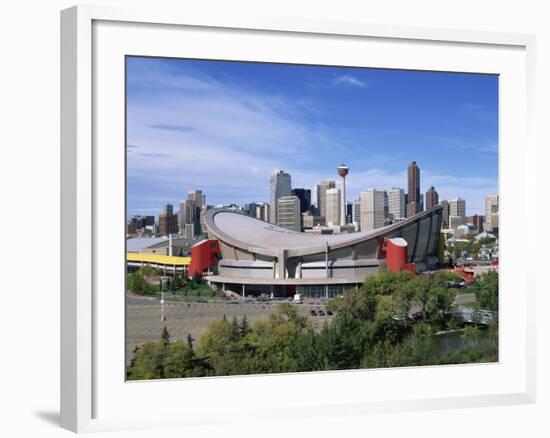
144 323
465 298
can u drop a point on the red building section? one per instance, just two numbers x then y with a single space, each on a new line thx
204 255
468 277
396 255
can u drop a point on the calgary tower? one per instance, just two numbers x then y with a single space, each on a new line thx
343 170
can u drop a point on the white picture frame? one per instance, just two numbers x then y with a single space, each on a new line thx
86 374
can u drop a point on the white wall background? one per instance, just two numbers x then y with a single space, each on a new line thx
29 218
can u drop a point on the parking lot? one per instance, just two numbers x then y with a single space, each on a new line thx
143 317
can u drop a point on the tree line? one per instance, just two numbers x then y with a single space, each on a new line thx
372 327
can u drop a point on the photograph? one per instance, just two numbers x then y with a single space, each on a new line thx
289 218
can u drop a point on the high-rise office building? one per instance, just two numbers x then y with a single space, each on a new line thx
455 221
188 231
139 223
457 207
279 186
372 209
192 212
432 198
414 204
357 213
457 212
250 209
197 197
491 212
445 213
349 212
396 203
168 209
304 195
194 204
202 221
262 211
289 212
168 221
182 214
309 221
322 188
477 220
333 206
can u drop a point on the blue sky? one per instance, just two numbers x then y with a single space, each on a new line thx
223 127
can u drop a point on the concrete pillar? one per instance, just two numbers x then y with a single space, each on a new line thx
343 206
281 264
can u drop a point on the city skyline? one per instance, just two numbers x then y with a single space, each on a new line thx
223 127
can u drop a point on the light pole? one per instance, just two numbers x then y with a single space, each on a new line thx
161 300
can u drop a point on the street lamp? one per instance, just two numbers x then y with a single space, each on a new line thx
162 300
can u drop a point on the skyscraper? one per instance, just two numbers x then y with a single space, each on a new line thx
413 179
491 212
357 213
262 211
372 209
304 195
386 208
196 197
289 212
396 203
194 204
343 171
168 209
457 212
333 206
202 216
457 207
322 188
250 209
445 214
182 214
279 186
349 212
477 220
168 221
432 198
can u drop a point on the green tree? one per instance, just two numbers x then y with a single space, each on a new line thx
244 327
165 336
422 287
440 304
181 361
148 362
486 290
235 329
360 304
138 285
403 297
386 282
149 271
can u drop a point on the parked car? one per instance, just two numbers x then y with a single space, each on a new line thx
321 312
313 312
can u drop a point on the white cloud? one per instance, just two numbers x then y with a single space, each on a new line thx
350 80
199 133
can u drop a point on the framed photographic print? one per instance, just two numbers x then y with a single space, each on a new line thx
253 209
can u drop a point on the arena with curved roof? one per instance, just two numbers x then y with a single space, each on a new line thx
259 257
